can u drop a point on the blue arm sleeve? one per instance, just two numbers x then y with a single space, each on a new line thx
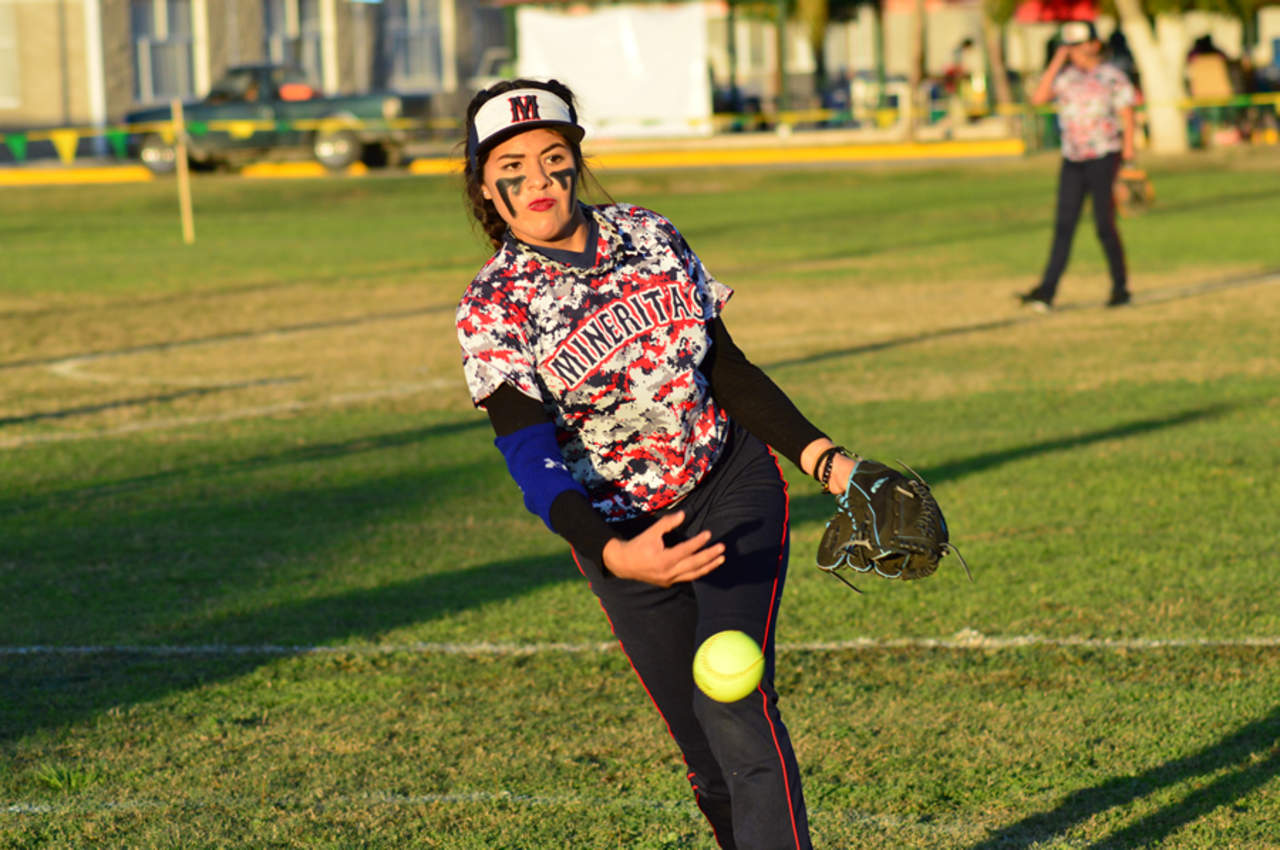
534 461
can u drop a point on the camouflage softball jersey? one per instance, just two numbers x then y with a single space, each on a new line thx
610 351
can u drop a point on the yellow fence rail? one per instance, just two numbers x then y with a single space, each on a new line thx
66 140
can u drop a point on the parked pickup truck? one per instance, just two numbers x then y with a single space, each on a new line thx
271 111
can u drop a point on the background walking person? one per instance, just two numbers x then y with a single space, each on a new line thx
1095 113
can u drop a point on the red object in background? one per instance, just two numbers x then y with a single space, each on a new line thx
296 91
1055 10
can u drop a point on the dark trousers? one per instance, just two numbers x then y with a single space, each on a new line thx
1096 177
739 757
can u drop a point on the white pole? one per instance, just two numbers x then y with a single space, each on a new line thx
200 46
329 45
448 46
94 72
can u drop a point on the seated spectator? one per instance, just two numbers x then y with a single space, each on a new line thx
1208 74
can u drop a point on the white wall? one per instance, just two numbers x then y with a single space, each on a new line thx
637 69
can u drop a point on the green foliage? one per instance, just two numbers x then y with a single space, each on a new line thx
1236 8
847 10
1002 11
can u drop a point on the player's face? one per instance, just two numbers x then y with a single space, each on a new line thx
532 180
1085 53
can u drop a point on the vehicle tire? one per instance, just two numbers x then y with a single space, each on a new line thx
376 155
336 149
159 156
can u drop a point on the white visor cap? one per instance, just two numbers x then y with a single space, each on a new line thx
1077 32
518 110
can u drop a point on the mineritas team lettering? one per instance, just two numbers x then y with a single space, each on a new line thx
614 325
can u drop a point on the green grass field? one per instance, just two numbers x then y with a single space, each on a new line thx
265 582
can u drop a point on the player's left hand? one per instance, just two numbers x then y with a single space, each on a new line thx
885 523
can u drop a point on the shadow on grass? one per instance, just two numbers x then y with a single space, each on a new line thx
1248 759
1268 276
50 689
231 336
143 401
236 553
1000 227
364 444
849 248
819 506
1225 199
191 297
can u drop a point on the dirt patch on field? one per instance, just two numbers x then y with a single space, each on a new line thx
135 362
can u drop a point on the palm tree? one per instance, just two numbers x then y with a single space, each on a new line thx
814 14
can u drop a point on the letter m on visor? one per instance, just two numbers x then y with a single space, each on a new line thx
524 108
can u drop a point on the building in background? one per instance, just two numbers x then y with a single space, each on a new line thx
87 62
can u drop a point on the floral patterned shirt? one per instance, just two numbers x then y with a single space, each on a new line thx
1089 104
611 351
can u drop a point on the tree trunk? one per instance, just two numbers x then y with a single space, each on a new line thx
814 14
915 97
780 47
995 60
1162 86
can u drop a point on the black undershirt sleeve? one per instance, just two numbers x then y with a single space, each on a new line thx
571 514
739 386
510 410
752 398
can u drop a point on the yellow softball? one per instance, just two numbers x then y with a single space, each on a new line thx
728 666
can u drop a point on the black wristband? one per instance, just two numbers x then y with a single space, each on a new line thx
826 461
817 465
831 464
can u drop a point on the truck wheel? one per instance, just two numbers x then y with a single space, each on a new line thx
336 149
159 156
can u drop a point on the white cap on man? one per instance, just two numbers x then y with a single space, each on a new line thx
1078 32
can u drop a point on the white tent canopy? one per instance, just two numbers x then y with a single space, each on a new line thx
637 70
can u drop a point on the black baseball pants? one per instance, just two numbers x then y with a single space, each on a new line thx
1095 177
739 757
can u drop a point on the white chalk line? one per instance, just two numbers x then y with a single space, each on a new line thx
338 400
965 640
340 800
74 370
457 798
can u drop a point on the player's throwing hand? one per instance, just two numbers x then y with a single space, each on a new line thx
646 557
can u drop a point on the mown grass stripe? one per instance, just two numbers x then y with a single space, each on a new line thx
339 400
960 641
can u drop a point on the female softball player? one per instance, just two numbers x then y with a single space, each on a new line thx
1095 112
637 430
